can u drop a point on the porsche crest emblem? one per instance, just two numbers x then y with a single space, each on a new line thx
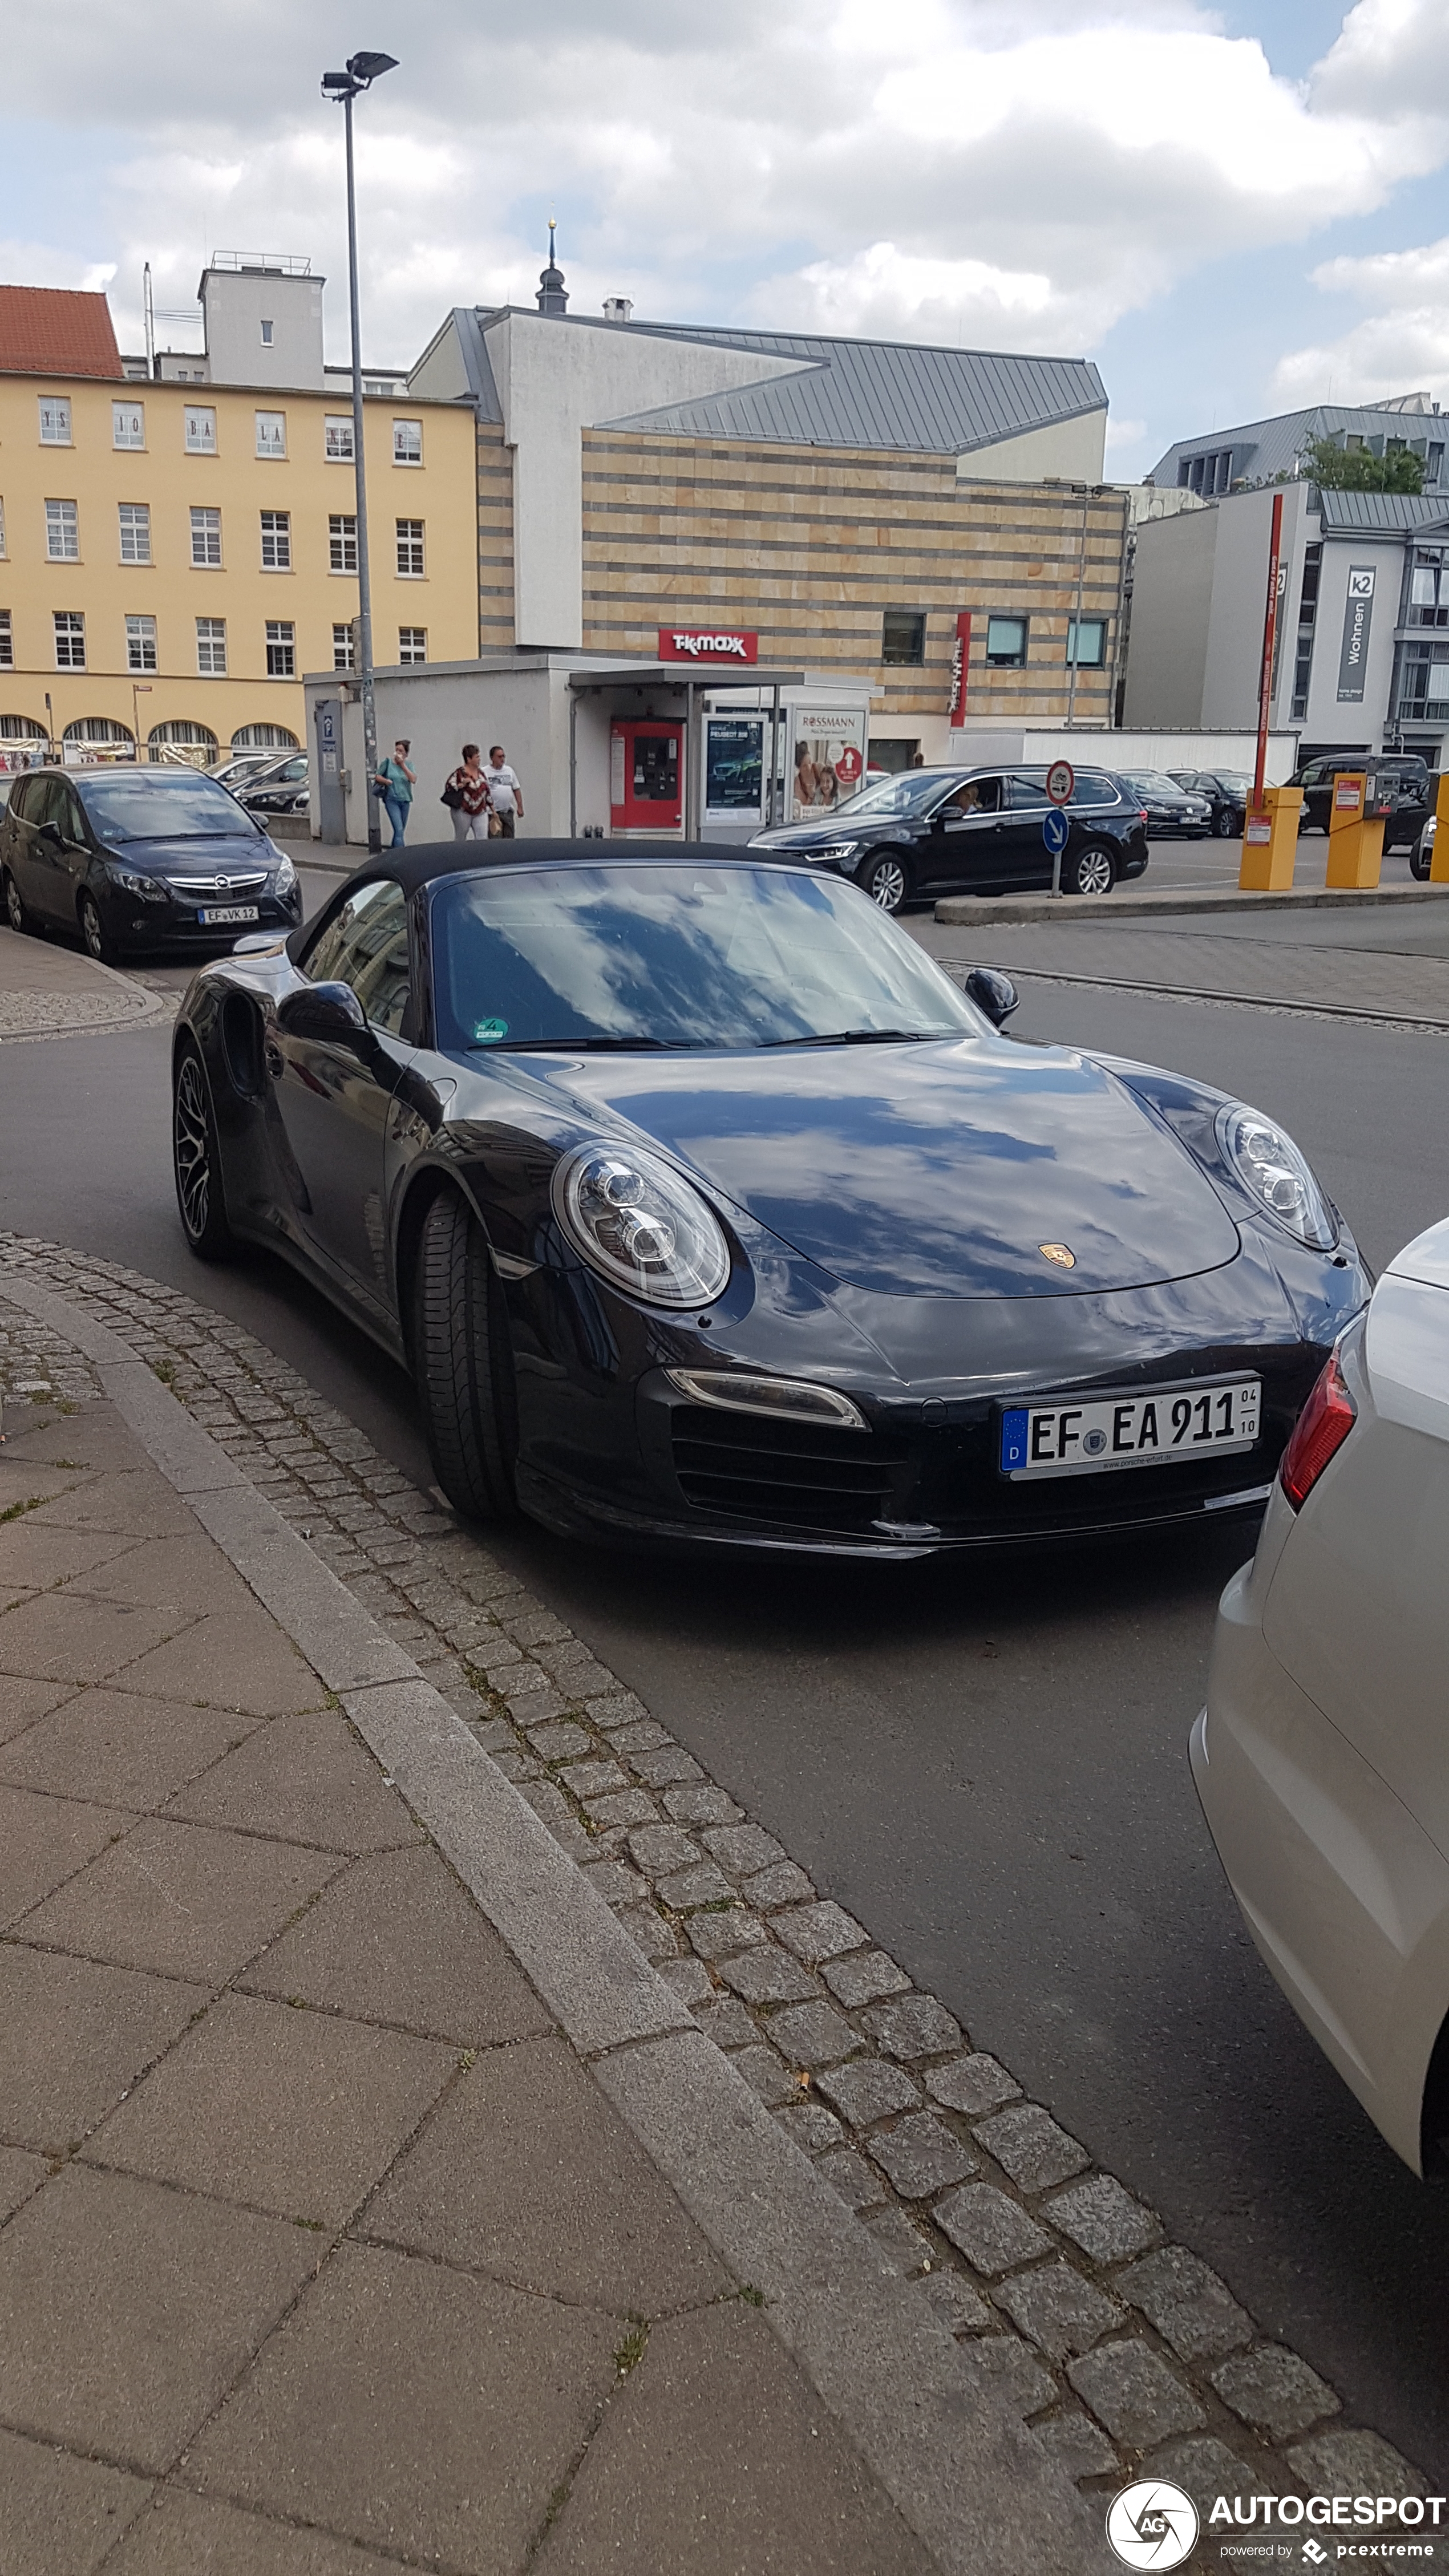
1060 1253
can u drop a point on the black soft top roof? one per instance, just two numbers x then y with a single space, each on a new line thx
411 868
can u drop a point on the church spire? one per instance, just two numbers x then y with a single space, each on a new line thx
552 292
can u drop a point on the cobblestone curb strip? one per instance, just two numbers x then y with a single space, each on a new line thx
948 2446
1119 2350
1118 906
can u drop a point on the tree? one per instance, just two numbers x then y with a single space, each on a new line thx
1341 469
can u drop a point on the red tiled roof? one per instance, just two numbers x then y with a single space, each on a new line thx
50 331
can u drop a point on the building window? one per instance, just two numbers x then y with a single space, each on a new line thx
281 649
412 643
140 643
276 541
271 433
1006 643
70 640
54 421
128 424
407 442
266 335
1307 618
410 549
342 542
62 532
211 647
337 438
7 642
135 531
1429 588
903 635
206 539
1422 695
1087 642
344 656
200 430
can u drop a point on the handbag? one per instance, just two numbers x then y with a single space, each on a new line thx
452 797
495 824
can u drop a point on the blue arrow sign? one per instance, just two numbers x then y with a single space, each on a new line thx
1055 830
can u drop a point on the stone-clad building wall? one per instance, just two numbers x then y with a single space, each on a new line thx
495 540
811 546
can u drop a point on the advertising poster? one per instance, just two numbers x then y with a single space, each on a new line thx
1358 609
827 763
734 769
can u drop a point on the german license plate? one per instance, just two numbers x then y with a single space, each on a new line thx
216 916
1166 1425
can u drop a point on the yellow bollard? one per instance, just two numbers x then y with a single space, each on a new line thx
1270 842
1355 840
1439 864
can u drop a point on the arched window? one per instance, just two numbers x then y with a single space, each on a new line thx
22 729
100 736
263 737
180 739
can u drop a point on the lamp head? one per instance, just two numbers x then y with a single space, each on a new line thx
366 68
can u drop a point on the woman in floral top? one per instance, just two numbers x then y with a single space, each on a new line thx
470 787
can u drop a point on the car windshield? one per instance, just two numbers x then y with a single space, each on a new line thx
1235 780
1153 782
912 791
703 957
176 805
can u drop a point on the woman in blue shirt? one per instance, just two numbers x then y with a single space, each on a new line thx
395 784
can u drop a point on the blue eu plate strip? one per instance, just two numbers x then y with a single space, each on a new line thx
1013 1440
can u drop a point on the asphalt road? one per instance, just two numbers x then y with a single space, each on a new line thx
985 1761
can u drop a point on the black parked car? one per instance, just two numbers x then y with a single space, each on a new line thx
703 1205
1168 807
140 858
926 832
1226 792
1403 781
280 788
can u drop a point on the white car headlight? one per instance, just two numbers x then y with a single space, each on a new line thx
286 877
640 1225
1270 1166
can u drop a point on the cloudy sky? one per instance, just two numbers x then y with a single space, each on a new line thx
1232 209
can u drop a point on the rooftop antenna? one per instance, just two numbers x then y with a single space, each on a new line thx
150 311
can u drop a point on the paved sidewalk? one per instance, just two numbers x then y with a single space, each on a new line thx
48 990
330 2239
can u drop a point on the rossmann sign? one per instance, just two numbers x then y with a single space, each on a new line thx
707 644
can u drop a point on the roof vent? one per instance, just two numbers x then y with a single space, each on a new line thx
617 308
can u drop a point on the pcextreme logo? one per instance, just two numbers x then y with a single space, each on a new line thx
1152 2525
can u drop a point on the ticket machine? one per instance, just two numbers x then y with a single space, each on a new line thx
646 777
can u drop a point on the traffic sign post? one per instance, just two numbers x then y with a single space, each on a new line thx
1061 778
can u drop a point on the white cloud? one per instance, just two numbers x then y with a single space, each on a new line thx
1017 172
1400 347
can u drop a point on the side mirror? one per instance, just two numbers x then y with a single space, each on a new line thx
992 992
330 1014
50 834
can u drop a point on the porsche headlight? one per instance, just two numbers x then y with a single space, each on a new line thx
1269 1165
639 1223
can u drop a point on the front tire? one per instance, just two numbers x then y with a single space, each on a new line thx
1090 871
1225 826
886 878
196 1162
15 908
1421 860
463 1363
99 943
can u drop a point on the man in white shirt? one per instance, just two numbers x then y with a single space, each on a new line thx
505 788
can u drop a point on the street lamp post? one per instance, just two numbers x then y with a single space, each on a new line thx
344 86
139 689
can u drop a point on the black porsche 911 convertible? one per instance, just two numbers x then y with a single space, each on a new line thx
702 1204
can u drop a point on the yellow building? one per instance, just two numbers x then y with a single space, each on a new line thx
174 556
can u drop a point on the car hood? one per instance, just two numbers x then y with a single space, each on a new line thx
934 1170
215 854
785 837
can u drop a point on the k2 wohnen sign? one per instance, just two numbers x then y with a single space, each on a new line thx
707 644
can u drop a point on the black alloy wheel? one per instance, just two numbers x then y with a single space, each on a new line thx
1421 859
99 943
197 1163
1225 826
15 912
463 1363
886 878
1090 871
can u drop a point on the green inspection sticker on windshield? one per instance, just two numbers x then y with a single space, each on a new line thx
488 1032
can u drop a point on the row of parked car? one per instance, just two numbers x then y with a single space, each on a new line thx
267 782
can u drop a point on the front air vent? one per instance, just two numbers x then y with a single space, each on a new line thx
789 1475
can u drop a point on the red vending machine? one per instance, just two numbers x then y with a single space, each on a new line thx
646 775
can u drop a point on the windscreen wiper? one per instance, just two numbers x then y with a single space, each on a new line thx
580 1046
863 1037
